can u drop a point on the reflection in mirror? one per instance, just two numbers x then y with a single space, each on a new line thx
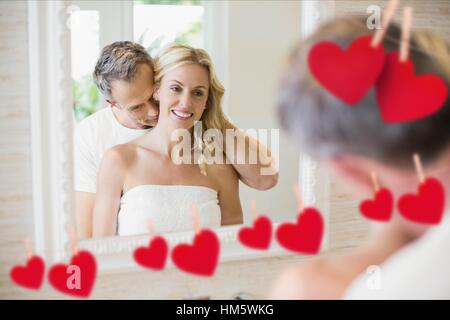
154 137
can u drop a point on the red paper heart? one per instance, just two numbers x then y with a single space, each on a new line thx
258 236
31 275
403 96
380 208
427 206
347 74
59 275
305 236
200 258
154 256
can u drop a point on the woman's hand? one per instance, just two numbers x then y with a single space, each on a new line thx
262 175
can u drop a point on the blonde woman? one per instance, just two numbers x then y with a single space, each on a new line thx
138 181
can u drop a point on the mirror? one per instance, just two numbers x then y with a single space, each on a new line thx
248 59
155 190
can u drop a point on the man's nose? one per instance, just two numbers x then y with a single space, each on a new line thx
152 109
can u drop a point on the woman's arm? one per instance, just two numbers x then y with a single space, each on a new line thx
110 183
263 174
230 205
84 207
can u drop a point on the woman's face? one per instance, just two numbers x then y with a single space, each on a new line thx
182 95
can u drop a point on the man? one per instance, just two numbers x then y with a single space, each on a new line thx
400 259
124 75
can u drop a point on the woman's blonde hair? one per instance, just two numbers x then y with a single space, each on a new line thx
327 127
176 55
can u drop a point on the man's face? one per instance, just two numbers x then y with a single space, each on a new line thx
135 107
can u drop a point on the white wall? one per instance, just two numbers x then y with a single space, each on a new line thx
259 35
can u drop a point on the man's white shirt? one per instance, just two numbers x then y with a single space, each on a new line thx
421 270
93 136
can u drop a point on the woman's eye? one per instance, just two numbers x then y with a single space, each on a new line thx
175 89
198 93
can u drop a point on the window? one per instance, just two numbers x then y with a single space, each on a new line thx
159 22
85 47
152 23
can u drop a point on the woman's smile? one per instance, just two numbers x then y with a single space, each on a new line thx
183 94
182 114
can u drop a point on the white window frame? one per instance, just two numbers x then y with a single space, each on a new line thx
115 19
215 39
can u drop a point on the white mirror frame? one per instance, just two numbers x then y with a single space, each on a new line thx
52 156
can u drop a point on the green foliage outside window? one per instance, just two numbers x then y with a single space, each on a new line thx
190 37
86 98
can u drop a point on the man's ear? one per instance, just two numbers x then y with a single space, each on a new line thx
355 172
156 93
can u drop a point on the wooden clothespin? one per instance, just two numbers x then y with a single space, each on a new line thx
151 230
298 197
73 239
196 219
419 168
386 19
254 210
29 248
406 33
375 184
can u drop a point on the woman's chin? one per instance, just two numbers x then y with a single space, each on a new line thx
182 123
177 125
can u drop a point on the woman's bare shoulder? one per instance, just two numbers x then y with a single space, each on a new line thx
119 156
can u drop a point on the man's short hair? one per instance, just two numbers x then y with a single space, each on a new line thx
326 127
119 61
